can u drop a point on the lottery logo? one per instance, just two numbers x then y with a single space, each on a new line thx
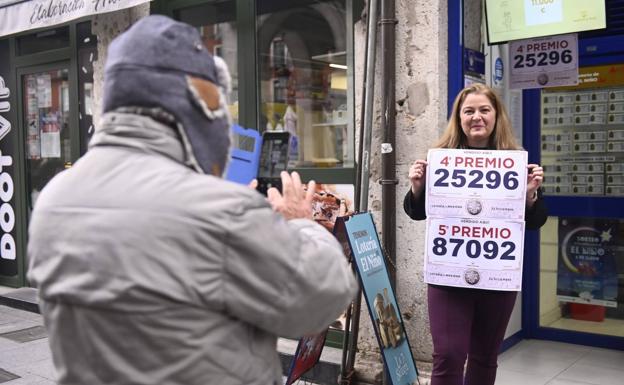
474 207
472 277
542 79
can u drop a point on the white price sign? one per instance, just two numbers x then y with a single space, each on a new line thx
544 62
480 253
479 183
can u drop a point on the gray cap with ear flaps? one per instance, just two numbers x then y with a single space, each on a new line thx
148 66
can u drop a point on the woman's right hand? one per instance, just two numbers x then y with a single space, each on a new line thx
417 174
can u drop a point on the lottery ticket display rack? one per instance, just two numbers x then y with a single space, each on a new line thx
582 142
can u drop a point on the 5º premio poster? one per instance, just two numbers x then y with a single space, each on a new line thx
587 266
382 305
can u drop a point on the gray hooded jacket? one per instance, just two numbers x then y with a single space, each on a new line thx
150 272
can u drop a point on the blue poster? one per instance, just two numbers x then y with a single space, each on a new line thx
380 298
587 271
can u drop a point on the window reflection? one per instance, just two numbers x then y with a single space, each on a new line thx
303 78
216 23
87 55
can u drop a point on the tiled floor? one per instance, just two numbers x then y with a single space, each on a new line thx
535 362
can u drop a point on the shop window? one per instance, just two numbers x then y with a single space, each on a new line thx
47 136
582 275
582 150
217 25
303 79
47 40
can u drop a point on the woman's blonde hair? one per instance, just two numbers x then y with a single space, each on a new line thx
502 137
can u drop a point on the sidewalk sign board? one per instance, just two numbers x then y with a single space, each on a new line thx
306 356
369 259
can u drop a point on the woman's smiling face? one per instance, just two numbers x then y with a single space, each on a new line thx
477 118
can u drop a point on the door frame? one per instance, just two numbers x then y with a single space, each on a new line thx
21 65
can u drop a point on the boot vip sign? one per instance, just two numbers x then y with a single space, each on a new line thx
475 218
8 252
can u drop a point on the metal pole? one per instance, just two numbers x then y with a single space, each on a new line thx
368 105
388 154
388 126
362 181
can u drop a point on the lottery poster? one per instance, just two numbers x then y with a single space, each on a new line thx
477 253
587 262
475 207
476 183
550 61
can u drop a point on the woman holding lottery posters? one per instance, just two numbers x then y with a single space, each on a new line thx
471 323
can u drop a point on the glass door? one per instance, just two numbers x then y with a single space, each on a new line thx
46 126
304 79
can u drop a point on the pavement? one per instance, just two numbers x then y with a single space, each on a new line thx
26 359
25 356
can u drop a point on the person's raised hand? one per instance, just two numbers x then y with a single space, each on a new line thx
535 177
253 184
417 174
295 201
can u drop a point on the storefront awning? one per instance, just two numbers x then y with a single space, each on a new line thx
23 15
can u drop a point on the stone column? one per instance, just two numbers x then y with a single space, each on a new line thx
421 94
106 27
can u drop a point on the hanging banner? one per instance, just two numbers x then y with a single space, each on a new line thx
8 251
476 183
19 16
544 62
587 271
367 254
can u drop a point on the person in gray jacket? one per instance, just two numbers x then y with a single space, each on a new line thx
154 270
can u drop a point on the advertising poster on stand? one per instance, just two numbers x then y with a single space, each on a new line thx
587 271
382 305
306 356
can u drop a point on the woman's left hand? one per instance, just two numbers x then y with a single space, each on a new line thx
534 182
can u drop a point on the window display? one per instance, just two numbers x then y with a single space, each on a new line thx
304 78
217 25
582 275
